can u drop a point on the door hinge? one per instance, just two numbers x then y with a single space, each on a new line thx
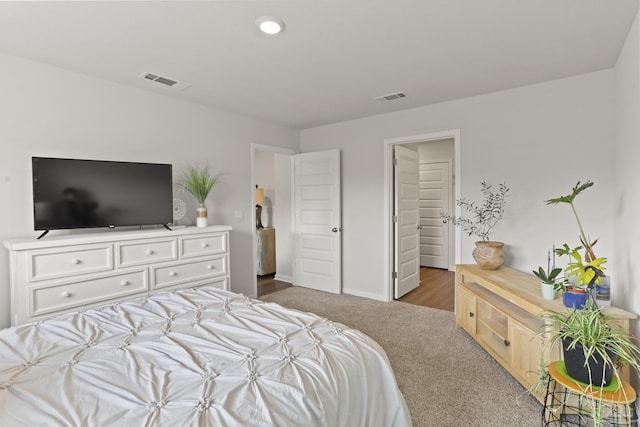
395 162
394 219
394 275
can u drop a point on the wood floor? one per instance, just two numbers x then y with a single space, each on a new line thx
436 288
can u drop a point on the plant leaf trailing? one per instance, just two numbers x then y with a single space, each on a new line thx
485 216
199 182
599 333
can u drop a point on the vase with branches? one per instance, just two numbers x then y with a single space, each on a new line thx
482 219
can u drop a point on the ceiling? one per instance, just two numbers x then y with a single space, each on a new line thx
334 56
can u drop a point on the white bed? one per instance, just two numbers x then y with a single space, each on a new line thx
195 357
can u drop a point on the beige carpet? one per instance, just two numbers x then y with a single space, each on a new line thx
447 379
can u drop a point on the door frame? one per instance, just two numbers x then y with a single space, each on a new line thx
388 195
254 241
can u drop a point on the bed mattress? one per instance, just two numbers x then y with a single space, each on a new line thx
195 357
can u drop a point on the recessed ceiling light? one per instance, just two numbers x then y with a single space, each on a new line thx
270 25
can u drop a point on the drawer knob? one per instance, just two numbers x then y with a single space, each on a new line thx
209 267
205 245
75 261
125 283
471 314
507 343
173 273
149 252
66 294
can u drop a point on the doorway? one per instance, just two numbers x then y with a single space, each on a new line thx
431 166
272 173
298 192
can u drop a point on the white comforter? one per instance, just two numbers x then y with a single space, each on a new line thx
196 357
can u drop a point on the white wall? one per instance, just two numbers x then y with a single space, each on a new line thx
49 111
626 203
283 223
539 139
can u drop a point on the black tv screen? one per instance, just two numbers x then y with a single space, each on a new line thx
74 193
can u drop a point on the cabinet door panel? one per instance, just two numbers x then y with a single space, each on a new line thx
466 309
526 353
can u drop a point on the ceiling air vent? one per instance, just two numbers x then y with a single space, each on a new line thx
173 84
391 96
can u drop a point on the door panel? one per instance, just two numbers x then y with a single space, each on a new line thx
318 233
407 265
434 198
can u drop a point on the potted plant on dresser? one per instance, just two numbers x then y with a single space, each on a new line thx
199 182
580 271
488 254
549 279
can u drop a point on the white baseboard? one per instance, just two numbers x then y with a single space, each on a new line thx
358 293
283 278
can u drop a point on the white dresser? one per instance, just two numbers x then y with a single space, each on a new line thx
65 273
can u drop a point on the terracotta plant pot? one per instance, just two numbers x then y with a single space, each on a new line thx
488 255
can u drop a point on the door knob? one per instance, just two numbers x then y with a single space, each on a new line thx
335 229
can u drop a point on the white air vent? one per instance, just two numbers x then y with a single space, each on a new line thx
391 96
173 84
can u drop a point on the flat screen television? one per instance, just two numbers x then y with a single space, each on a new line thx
75 193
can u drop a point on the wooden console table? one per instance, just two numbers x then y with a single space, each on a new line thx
500 309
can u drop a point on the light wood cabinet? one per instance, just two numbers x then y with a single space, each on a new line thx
70 272
266 251
500 309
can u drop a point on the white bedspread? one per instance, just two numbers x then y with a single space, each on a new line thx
196 357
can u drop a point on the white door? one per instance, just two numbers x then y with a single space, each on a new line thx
406 227
434 198
318 227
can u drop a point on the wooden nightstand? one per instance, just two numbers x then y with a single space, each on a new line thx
266 251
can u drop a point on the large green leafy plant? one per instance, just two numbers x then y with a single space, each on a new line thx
577 267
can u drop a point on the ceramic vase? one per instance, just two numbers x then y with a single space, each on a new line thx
547 290
488 255
201 216
575 298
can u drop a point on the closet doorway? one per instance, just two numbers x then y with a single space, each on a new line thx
438 157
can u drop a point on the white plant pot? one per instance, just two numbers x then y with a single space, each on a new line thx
547 291
201 216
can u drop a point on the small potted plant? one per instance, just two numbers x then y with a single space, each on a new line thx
199 182
549 278
578 273
484 217
594 344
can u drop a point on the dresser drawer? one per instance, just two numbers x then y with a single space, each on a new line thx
189 271
51 298
63 262
209 244
146 252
